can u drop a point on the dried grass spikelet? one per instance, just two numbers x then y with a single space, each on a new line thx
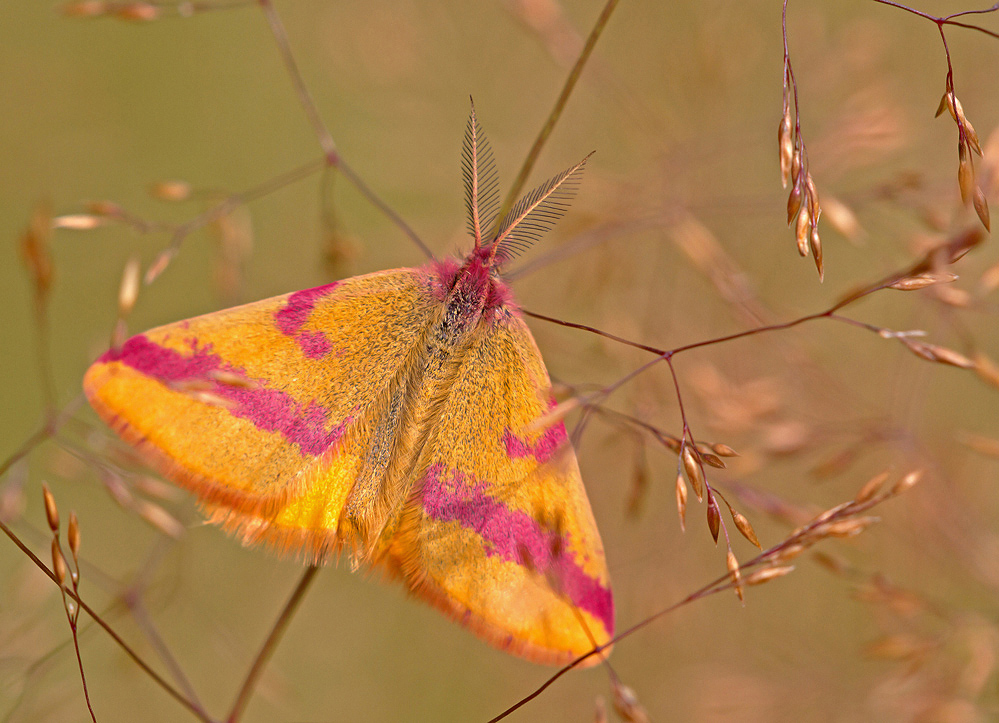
51 511
555 414
794 203
981 205
137 12
723 450
785 145
958 298
745 528
986 369
73 537
35 250
921 281
898 646
714 517
907 482
790 552
836 565
159 518
842 218
802 230
77 221
118 490
681 501
170 190
872 487
692 468
84 9
732 563
815 244
965 172
128 292
599 710
937 353
989 280
767 574
108 209
846 528
979 443
626 703
160 264
59 568
711 459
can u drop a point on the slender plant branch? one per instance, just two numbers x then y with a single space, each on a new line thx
270 644
556 112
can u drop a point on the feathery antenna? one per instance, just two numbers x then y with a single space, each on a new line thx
537 212
481 179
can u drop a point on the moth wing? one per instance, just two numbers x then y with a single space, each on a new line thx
260 409
499 533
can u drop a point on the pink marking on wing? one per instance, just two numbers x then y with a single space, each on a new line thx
514 536
291 317
541 449
296 310
314 344
271 410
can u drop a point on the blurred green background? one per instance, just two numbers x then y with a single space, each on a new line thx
681 103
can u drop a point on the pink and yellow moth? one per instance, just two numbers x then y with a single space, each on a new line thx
402 417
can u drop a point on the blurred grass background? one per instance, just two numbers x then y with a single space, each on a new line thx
681 103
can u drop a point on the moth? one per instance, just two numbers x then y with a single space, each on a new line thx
400 417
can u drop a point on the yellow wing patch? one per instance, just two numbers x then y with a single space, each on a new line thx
254 408
499 533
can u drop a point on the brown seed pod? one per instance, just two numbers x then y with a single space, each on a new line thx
767 574
981 207
802 230
785 144
59 568
965 172
742 524
694 472
51 511
170 190
681 501
871 487
714 517
73 536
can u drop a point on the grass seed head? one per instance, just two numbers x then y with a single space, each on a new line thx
908 482
723 450
872 486
742 524
767 574
170 190
58 562
695 474
73 535
626 704
801 231
714 517
794 203
137 12
84 9
986 369
681 501
78 221
785 144
51 511
981 205
965 172
129 290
